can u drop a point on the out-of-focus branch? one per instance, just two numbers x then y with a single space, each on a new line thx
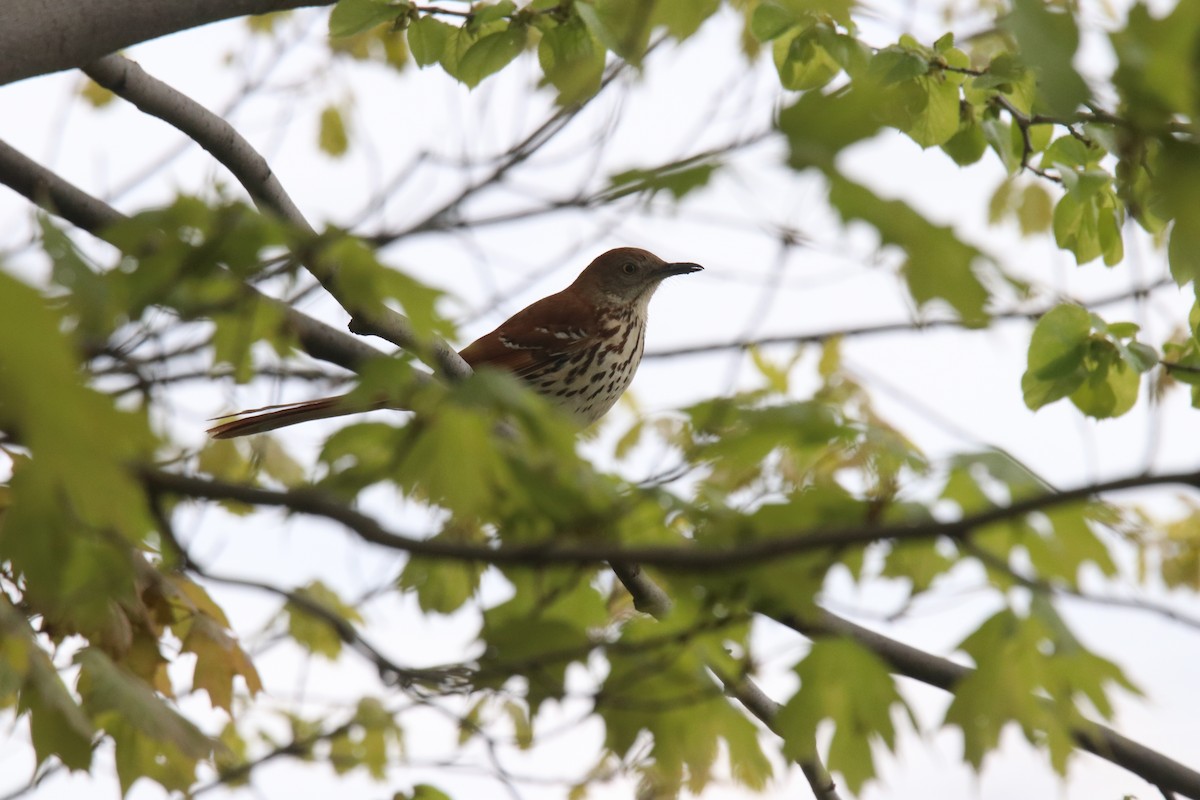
909 326
126 79
42 36
683 558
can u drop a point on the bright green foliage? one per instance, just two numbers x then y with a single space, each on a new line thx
1017 658
658 683
491 53
571 58
841 681
1076 354
548 624
427 37
355 16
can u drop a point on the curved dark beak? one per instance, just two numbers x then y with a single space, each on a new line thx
680 268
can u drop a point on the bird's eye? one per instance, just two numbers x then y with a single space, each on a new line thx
629 268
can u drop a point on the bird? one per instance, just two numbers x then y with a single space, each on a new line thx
578 348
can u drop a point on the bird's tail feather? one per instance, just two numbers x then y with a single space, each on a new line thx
268 418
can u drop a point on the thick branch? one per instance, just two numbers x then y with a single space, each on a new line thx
672 557
42 36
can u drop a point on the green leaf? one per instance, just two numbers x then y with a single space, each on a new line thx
219 659
1048 38
332 137
427 37
772 19
682 18
968 144
802 61
659 684
152 739
843 682
355 16
491 53
936 119
541 630
1056 352
1110 386
1156 73
572 60
677 179
819 126
939 265
623 26
1035 211
1016 659
313 631
441 586
57 725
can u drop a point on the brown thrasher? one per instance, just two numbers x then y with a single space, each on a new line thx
578 348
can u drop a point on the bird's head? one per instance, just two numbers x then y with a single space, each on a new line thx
629 275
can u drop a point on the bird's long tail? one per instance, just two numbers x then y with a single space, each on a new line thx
268 418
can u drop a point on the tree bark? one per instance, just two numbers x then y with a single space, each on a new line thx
42 36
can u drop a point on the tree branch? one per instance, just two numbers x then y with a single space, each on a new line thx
222 141
43 36
910 326
48 190
1156 768
682 558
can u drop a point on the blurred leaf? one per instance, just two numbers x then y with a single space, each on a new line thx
802 62
666 691
677 179
845 683
441 586
771 19
57 725
1110 387
939 266
1035 211
572 60
1158 64
332 138
1056 352
276 462
355 16
539 631
219 659
427 38
1016 660
491 53
96 95
1048 37
682 18
623 26
313 632
151 738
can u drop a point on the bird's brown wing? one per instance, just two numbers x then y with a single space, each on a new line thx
552 327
